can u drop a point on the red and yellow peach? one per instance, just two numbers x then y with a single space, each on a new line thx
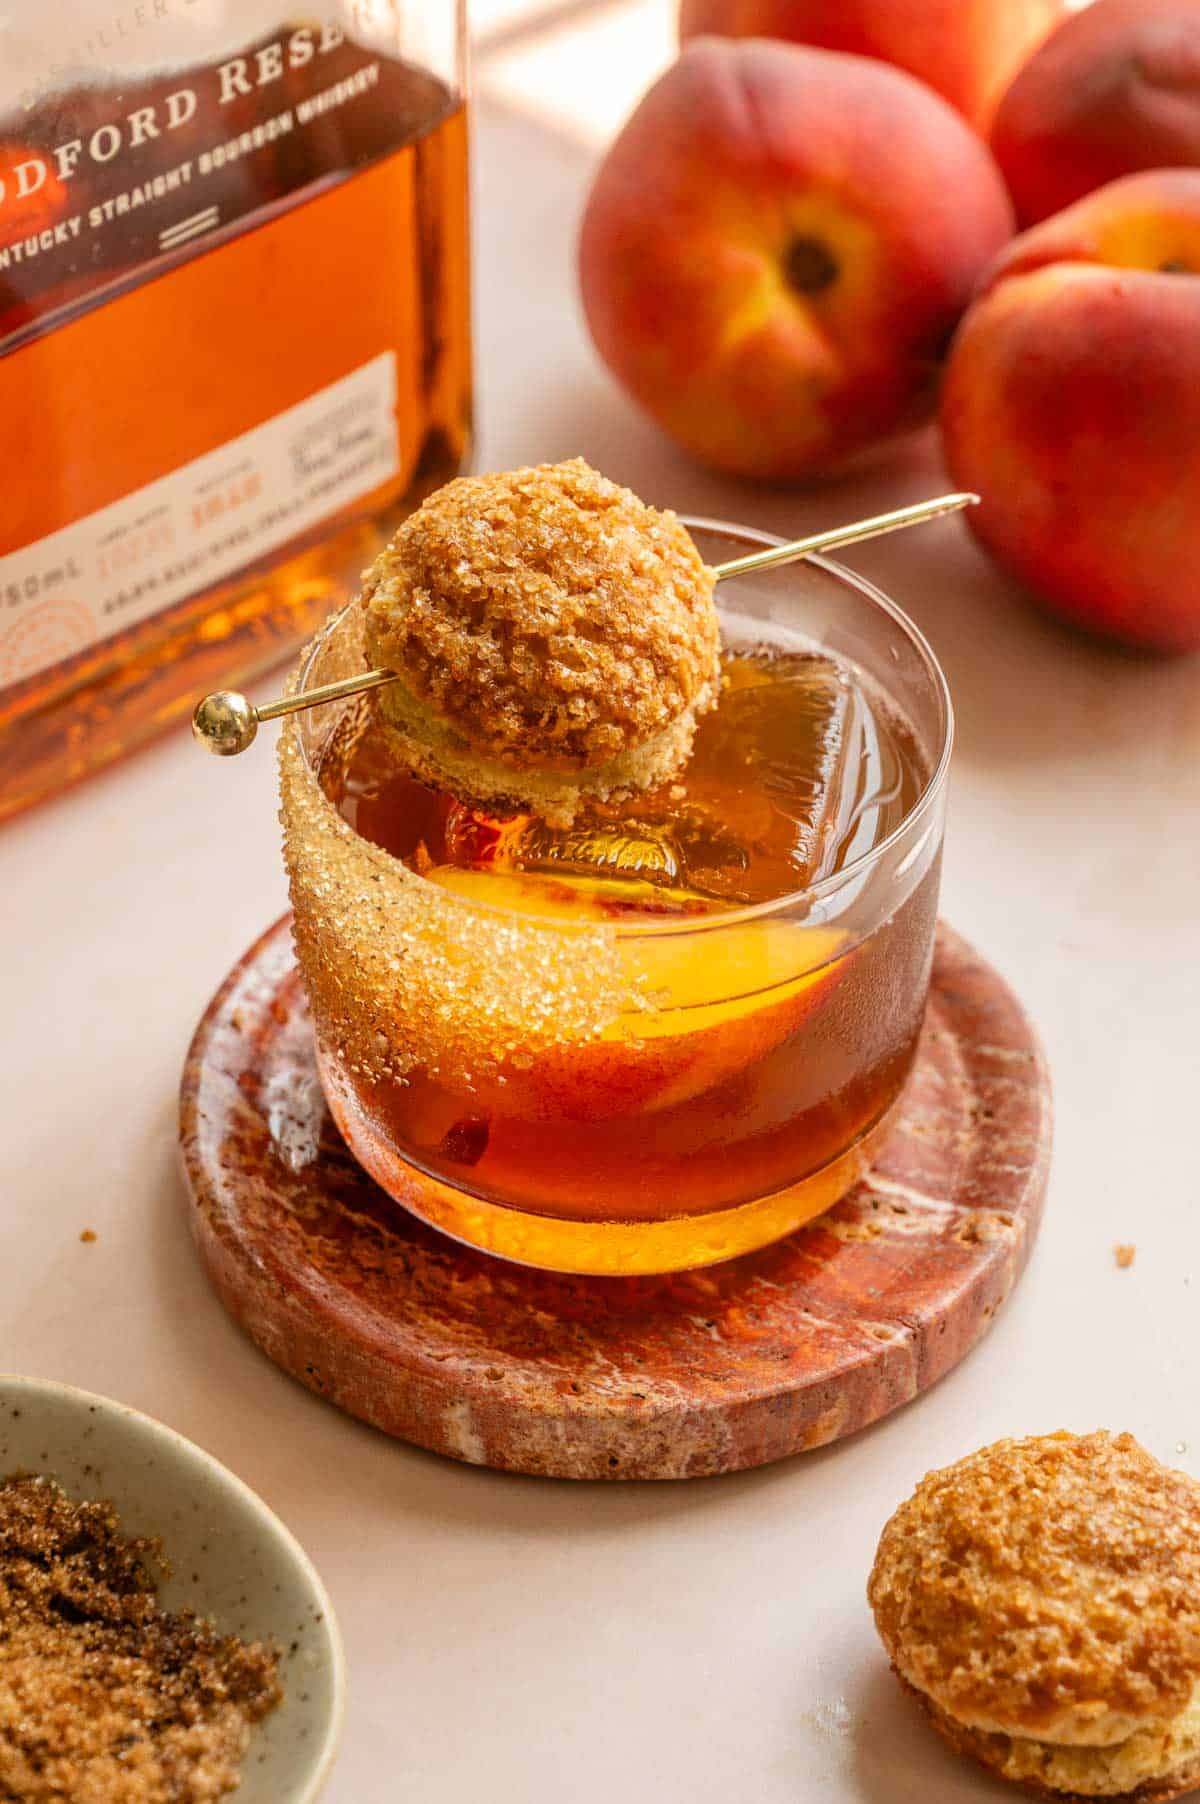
1072 405
1114 90
777 248
966 49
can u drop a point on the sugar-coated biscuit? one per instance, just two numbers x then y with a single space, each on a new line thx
1042 1599
553 636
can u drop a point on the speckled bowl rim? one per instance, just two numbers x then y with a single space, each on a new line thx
187 1453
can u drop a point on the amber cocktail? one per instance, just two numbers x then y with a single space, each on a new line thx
674 1031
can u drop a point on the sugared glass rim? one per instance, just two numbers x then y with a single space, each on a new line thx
751 911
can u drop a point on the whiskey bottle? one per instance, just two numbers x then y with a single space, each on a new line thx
234 343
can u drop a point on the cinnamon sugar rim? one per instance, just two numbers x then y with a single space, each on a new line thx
809 894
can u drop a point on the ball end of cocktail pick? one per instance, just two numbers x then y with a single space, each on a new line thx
225 723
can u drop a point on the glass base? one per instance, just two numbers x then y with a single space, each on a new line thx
612 1249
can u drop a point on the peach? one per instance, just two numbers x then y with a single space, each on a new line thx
718 1007
1115 89
966 49
776 250
1072 405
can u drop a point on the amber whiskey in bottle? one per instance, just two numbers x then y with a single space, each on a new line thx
234 344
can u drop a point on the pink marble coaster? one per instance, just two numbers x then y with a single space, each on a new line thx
574 1377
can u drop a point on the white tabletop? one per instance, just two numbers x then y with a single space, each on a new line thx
520 1640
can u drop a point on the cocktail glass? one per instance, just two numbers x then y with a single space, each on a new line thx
622 1095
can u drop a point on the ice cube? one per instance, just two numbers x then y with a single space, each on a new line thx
777 766
760 809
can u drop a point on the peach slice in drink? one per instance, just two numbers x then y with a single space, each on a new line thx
717 1001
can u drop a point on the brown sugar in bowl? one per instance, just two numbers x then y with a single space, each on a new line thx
231 1560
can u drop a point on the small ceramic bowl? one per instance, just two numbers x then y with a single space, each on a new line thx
231 1559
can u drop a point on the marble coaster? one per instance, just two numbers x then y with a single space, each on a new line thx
681 1376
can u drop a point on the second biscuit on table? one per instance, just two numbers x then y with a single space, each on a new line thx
1041 1598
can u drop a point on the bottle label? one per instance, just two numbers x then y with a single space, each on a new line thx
190 529
114 177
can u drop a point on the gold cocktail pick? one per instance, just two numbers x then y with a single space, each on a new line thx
226 722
